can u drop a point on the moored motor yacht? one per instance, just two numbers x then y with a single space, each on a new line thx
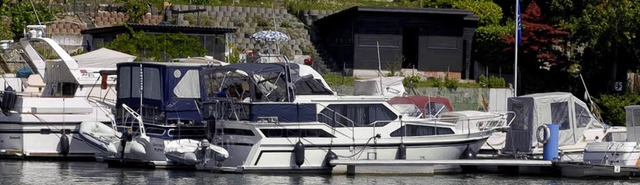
281 117
577 125
42 108
158 120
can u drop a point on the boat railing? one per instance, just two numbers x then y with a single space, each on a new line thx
498 122
107 111
226 108
333 128
335 121
137 118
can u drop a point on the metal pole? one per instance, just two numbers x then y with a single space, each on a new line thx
515 66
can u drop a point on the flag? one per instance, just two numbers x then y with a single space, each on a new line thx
518 24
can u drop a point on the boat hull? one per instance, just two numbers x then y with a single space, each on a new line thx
43 140
264 154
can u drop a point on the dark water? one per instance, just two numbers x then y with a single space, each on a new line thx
38 172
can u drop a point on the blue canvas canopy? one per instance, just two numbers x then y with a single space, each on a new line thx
169 90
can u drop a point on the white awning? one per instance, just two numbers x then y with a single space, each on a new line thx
102 58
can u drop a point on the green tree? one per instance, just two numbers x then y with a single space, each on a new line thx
138 8
5 28
22 14
488 12
609 30
157 47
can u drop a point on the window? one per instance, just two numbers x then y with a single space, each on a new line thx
560 115
152 83
124 85
295 133
616 137
417 130
635 117
235 131
410 110
186 132
310 86
152 130
582 116
359 115
433 108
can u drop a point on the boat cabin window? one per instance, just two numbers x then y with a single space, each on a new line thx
636 116
359 115
295 133
418 130
311 86
153 130
615 137
582 116
186 132
560 115
235 131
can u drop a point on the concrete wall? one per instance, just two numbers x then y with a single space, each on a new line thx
461 99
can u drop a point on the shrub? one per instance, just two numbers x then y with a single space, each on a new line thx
285 24
262 22
411 81
491 82
613 106
451 83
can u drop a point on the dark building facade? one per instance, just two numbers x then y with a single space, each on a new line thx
429 39
212 38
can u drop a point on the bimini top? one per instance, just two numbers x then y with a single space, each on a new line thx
298 71
567 111
264 81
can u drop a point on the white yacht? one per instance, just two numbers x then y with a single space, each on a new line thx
158 120
280 117
41 112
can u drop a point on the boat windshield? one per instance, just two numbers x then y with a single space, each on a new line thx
244 85
410 110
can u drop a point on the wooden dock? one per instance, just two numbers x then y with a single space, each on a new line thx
427 166
501 166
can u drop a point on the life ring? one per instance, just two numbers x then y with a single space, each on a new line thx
541 138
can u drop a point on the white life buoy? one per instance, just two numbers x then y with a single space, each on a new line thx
541 136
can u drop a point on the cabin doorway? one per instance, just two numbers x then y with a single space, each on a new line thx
410 47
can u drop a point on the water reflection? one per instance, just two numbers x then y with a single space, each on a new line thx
39 172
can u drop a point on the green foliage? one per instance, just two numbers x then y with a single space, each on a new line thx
5 28
285 24
234 56
488 12
395 66
488 48
137 8
308 50
158 47
451 83
22 14
200 2
411 81
613 106
338 79
261 22
491 82
295 6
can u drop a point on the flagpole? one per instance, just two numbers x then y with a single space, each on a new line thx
515 66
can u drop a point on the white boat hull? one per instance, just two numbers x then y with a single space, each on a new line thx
612 153
259 154
33 140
